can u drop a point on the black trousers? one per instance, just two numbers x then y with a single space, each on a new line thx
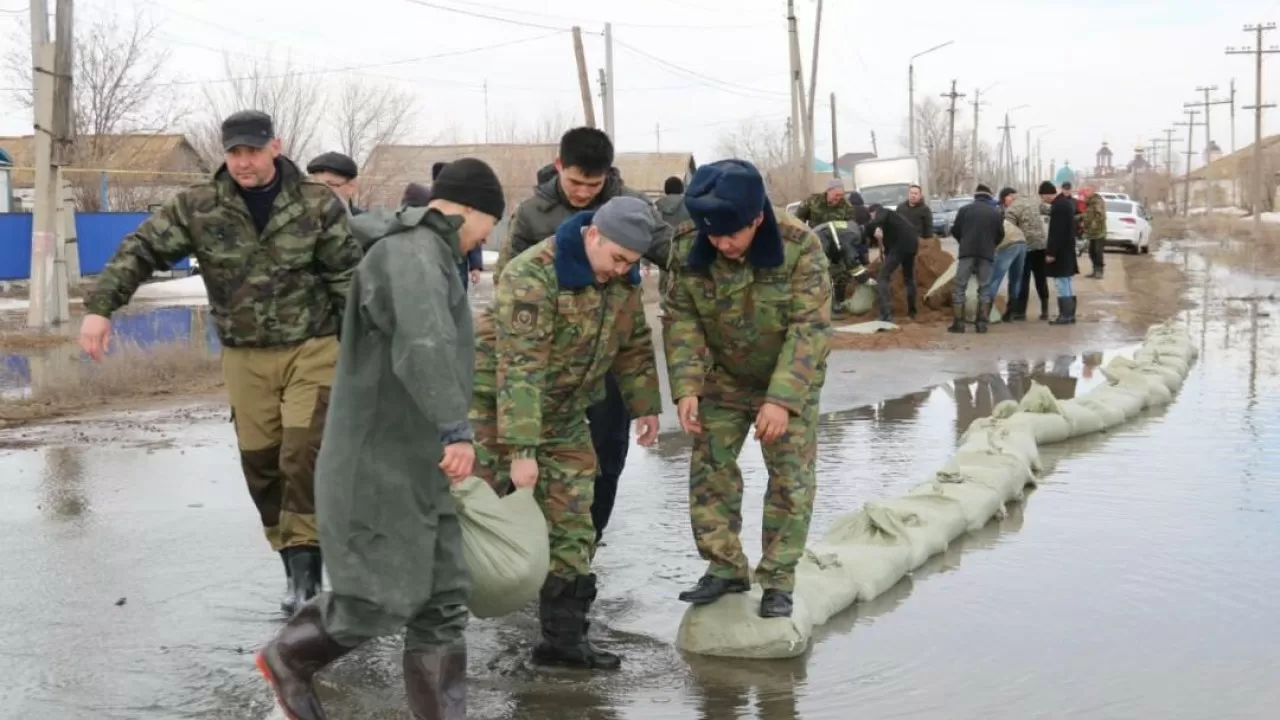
1098 253
611 437
1033 266
892 261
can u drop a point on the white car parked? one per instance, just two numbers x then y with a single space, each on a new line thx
1128 226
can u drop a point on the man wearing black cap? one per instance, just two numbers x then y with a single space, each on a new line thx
746 335
399 436
565 313
899 242
338 172
277 258
473 265
585 179
979 229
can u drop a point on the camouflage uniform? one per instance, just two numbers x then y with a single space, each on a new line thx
816 210
277 299
1094 224
737 335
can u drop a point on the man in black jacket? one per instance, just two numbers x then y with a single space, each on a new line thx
1060 253
899 242
979 228
918 211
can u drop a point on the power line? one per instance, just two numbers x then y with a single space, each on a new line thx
581 21
483 16
706 79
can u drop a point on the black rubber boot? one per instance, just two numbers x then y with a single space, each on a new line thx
305 570
1044 308
957 324
1071 309
984 314
1064 312
291 660
288 603
435 683
562 610
710 589
775 604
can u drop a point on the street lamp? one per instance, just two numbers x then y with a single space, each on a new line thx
1026 161
911 93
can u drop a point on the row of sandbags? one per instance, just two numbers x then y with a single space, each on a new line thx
867 552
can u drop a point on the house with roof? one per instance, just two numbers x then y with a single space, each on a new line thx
1230 179
113 172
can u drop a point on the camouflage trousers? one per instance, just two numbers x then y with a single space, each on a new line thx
715 494
565 489
841 277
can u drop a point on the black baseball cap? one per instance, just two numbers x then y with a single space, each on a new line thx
334 162
253 128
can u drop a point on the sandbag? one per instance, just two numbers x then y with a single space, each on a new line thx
863 300
1166 375
504 541
867 552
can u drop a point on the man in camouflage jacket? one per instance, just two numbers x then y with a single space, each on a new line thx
746 334
1095 231
277 259
566 312
826 206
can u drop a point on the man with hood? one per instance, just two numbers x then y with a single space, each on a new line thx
277 259
585 179
979 229
566 312
398 437
747 335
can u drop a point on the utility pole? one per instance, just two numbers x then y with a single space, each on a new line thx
874 150
951 137
793 59
1006 151
835 147
657 137
1169 140
49 304
1232 99
603 79
1210 184
607 106
973 151
1191 126
1257 108
584 85
1153 157
813 91
486 111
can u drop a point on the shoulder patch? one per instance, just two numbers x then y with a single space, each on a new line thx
523 319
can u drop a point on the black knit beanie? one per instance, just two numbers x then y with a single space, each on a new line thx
416 195
1047 188
982 190
472 183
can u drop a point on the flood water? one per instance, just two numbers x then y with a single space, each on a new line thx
1137 581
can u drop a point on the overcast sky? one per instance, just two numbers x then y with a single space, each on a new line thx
691 70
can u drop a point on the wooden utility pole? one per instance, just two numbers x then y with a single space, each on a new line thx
607 103
1232 100
1210 184
835 145
584 85
1191 126
603 79
657 137
875 150
951 137
1006 152
793 75
813 92
1259 191
973 151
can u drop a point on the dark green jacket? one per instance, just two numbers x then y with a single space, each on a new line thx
282 287
400 393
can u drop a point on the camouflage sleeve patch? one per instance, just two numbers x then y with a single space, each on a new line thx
801 367
523 319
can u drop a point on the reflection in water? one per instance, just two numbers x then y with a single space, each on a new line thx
62 482
725 687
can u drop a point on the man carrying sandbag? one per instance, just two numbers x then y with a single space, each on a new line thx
397 437
746 337
567 311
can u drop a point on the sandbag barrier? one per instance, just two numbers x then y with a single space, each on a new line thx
867 552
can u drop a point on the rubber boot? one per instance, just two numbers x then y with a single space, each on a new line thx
562 610
291 660
305 570
775 604
984 315
288 603
435 683
1071 309
1064 312
957 324
1044 308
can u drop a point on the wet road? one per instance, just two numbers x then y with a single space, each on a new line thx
1136 582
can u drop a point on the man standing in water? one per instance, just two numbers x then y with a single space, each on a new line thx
746 336
584 179
277 258
398 437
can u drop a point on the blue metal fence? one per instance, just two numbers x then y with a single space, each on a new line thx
98 234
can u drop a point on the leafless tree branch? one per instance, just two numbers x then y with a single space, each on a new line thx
366 116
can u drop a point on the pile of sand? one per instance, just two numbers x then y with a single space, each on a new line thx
931 262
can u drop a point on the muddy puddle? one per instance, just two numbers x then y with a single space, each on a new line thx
1136 582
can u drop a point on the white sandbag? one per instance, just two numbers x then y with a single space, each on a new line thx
863 300
1166 375
505 544
867 552
1084 421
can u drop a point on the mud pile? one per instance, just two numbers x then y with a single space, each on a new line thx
931 262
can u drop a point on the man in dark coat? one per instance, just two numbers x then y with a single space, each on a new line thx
474 264
398 436
979 228
1060 252
899 242
918 211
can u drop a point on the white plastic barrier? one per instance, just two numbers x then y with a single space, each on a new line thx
867 552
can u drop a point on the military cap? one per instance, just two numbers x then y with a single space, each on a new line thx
253 128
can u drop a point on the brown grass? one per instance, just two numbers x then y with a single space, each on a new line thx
66 384
33 340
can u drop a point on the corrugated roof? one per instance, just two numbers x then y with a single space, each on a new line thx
129 154
1229 166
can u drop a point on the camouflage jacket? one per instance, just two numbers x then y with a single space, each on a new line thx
552 333
1094 224
1025 215
537 218
748 332
815 210
279 288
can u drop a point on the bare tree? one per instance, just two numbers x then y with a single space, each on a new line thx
765 145
368 115
295 100
546 130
